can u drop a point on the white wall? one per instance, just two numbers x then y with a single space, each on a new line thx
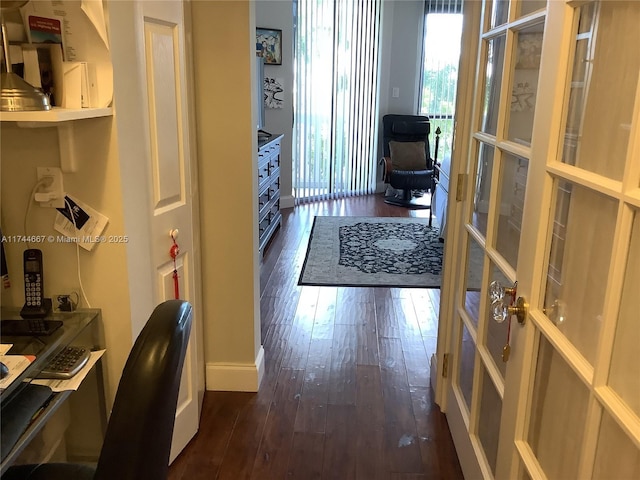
97 183
224 47
401 56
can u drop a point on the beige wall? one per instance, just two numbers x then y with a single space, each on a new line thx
224 46
96 183
224 42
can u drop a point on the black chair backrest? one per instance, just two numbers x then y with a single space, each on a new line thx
137 443
406 128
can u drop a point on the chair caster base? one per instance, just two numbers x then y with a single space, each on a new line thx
415 203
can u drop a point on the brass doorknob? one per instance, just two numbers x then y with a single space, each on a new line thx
500 311
497 291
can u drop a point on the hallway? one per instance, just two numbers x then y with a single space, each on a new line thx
346 390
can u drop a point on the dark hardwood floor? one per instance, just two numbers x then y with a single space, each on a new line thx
346 390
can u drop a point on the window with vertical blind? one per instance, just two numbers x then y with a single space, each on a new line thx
441 54
336 47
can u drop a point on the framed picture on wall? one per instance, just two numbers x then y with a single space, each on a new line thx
269 45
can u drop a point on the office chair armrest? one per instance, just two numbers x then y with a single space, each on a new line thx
387 168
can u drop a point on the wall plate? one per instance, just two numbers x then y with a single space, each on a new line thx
56 188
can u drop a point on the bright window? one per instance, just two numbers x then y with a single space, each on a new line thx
441 54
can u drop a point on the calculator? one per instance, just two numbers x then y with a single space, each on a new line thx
66 363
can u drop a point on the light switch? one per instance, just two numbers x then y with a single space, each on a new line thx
395 93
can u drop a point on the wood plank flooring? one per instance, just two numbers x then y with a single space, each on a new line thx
346 390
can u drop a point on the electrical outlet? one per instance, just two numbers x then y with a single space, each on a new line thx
54 192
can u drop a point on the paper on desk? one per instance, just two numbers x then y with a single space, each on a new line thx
5 347
16 365
74 382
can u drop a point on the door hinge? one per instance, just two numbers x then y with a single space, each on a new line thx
460 187
445 365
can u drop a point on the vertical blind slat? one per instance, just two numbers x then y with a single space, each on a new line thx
335 101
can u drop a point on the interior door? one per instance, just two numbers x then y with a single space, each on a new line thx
552 202
161 31
154 120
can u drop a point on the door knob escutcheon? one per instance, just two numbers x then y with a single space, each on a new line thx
520 310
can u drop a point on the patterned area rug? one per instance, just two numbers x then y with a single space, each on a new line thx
373 252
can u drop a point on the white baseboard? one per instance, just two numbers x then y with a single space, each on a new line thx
287 201
235 377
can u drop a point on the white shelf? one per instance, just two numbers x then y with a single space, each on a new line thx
63 120
55 115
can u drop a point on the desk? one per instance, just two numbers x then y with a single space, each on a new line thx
81 327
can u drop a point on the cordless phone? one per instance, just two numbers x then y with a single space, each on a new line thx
35 305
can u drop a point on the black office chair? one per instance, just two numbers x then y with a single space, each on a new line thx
407 163
137 443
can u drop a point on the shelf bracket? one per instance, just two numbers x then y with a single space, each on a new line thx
66 146
63 120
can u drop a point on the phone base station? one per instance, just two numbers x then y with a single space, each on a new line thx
41 312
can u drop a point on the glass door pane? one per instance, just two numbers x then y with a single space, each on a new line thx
467 363
624 375
616 457
499 12
489 420
576 278
558 414
496 333
513 181
475 264
493 83
603 88
530 6
482 188
524 88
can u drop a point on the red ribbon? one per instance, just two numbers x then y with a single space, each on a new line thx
176 285
173 253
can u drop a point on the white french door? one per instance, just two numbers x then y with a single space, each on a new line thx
552 201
